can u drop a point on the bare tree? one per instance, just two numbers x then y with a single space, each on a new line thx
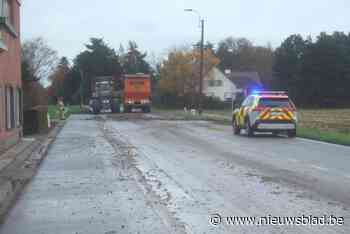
39 59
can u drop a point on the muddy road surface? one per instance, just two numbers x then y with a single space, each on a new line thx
146 174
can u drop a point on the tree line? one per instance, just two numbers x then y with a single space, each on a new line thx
179 73
314 72
179 76
73 82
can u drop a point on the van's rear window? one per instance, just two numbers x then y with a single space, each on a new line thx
275 102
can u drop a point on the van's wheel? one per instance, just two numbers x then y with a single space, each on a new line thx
292 133
249 129
236 128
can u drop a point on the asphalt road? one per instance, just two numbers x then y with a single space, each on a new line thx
136 175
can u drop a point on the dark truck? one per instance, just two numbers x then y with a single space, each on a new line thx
106 94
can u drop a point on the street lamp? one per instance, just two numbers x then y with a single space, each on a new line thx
201 20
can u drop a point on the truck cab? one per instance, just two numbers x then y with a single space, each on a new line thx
105 95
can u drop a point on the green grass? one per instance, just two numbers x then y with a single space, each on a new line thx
54 115
328 125
323 135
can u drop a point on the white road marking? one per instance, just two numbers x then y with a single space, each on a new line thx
319 168
323 143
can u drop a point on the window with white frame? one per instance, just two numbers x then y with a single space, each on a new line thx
13 108
228 95
10 108
2 8
6 10
219 83
2 108
7 20
215 83
211 83
19 107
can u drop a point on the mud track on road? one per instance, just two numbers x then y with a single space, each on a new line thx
124 158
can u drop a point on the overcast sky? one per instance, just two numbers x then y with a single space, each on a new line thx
157 25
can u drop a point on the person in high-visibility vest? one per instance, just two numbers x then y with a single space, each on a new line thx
61 110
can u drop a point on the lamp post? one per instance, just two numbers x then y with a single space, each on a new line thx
201 20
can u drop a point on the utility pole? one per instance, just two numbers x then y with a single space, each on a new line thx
200 105
81 88
201 72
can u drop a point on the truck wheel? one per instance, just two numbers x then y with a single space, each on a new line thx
146 109
249 129
115 109
236 128
96 111
127 109
292 133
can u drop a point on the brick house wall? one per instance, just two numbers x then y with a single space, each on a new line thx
10 73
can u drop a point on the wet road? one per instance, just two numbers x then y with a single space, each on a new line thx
142 176
82 188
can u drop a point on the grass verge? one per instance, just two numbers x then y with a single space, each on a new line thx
54 114
325 125
323 135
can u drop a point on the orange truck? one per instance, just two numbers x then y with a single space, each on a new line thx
137 92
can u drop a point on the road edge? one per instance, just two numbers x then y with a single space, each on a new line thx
227 122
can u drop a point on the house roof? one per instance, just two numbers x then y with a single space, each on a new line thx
245 79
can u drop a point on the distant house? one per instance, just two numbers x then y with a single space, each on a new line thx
217 85
10 74
227 86
246 81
